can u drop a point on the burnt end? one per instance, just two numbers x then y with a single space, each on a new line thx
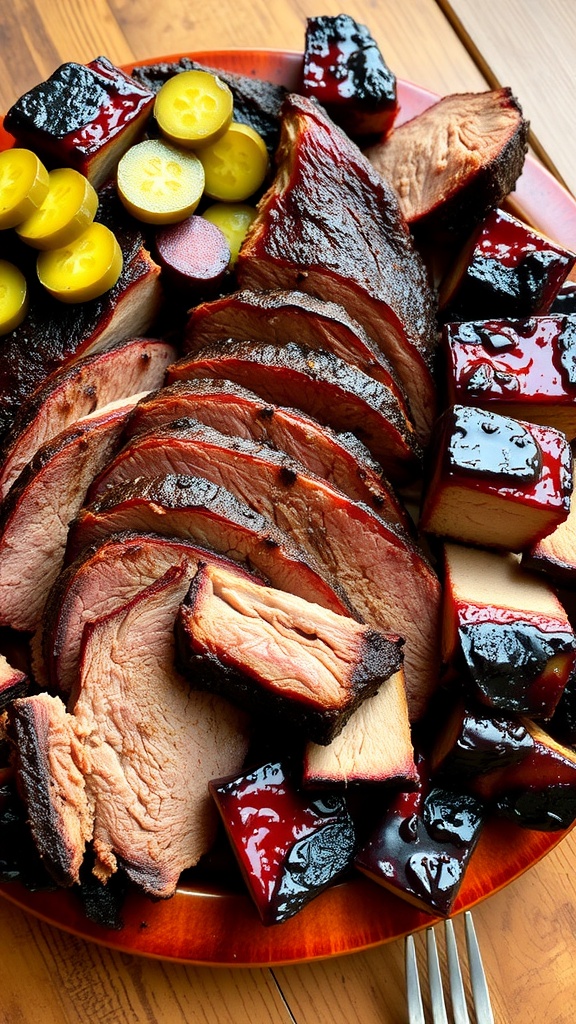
482 743
345 71
508 661
256 102
422 847
288 856
493 446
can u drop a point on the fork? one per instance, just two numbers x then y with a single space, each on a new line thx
480 995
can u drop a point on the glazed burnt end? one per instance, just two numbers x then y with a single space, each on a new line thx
290 845
524 368
539 791
345 71
82 116
505 270
421 848
495 481
505 632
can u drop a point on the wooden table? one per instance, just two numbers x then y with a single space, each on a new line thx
527 931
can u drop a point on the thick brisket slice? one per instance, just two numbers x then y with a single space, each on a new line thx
282 316
330 226
321 385
456 161
197 510
152 745
90 383
101 580
278 656
49 770
339 458
385 575
54 334
34 516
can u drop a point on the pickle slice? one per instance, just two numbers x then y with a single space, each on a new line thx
23 185
84 269
158 183
235 166
193 108
233 219
13 296
69 207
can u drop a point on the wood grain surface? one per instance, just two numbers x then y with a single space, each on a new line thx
527 931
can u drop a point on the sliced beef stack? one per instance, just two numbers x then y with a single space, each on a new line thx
330 226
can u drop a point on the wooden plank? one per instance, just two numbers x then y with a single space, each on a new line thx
529 45
414 35
50 976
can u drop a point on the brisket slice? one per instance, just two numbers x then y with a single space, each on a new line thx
281 658
331 226
128 368
49 766
34 516
321 385
339 458
196 509
282 316
456 161
385 575
129 766
100 580
54 334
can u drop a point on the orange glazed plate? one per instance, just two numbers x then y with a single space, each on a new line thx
213 925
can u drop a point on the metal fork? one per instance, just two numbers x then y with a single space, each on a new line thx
480 995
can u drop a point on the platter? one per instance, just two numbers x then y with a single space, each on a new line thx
213 925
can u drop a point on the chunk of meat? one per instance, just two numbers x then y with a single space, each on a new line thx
456 161
278 656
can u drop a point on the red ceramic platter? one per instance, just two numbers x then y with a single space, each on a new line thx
212 925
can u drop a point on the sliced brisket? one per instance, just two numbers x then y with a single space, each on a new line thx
456 161
330 226
321 385
101 580
198 510
129 766
385 575
34 516
128 368
282 316
339 458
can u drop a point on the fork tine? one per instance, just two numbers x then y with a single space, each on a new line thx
457 993
413 993
482 1006
439 1015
